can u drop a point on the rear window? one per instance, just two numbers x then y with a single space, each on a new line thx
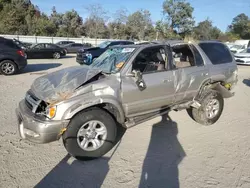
10 44
217 53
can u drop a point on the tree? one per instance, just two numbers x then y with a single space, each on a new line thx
241 26
139 24
117 28
95 23
179 16
206 31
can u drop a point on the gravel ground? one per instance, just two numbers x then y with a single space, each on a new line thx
180 153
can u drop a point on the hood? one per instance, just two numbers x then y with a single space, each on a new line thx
88 49
60 85
242 54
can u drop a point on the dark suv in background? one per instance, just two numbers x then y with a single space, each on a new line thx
88 55
12 57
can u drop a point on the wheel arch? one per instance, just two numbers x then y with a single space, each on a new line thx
109 105
215 85
8 59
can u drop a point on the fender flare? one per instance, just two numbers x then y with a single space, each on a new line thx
76 108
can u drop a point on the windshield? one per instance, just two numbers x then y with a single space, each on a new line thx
237 46
112 60
104 44
246 51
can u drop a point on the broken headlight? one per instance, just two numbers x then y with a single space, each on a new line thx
51 112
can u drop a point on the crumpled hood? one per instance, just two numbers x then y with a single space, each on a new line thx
60 85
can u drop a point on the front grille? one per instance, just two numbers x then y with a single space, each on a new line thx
32 101
28 104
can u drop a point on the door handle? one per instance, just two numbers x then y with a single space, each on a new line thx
204 74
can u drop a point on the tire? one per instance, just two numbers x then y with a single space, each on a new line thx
8 67
72 140
56 55
200 115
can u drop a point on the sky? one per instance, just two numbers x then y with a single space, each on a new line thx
220 12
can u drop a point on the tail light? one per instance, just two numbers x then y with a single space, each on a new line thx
21 53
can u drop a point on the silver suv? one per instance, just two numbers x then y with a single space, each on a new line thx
89 105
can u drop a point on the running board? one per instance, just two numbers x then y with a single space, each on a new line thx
140 119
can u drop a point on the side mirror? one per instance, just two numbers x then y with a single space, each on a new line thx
136 74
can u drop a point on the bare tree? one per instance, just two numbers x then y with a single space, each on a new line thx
96 21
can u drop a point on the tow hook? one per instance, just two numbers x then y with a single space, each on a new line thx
62 131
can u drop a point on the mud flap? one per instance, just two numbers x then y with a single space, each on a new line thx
224 92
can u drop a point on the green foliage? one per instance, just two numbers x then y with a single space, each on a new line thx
179 15
24 18
206 31
241 26
139 24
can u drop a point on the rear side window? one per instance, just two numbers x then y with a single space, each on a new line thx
217 53
198 59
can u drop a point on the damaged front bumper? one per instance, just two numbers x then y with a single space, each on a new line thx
35 129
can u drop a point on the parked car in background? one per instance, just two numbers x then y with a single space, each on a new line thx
44 50
62 43
23 45
237 48
88 55
90 106
12 57
229 45
74 47
243 58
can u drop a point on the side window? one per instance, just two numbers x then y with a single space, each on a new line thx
77 45
217 53
39 46
11 44
114 43
150 60
183 56
49 46
197 56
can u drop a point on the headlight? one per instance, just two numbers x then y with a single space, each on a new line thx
51 112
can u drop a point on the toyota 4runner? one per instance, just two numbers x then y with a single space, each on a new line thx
87 106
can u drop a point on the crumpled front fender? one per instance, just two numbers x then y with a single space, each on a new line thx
94 101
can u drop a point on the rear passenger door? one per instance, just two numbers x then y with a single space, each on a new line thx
189 72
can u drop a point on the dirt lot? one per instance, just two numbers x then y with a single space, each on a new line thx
180 153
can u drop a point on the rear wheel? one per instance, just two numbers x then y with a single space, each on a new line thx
91 134
212 104
8 67
56 55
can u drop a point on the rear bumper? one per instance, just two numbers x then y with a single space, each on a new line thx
35 129
21 63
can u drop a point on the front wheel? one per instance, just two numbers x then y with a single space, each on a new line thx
90 134
56 55
212 104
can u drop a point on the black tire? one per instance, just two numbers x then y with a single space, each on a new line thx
199 115
12 67
70 136
56 55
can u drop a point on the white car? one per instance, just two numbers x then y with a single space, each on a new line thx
243 57
237 48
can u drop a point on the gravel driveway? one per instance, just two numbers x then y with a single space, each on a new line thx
173 153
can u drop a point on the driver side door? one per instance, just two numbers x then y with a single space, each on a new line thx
36 51
158 92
